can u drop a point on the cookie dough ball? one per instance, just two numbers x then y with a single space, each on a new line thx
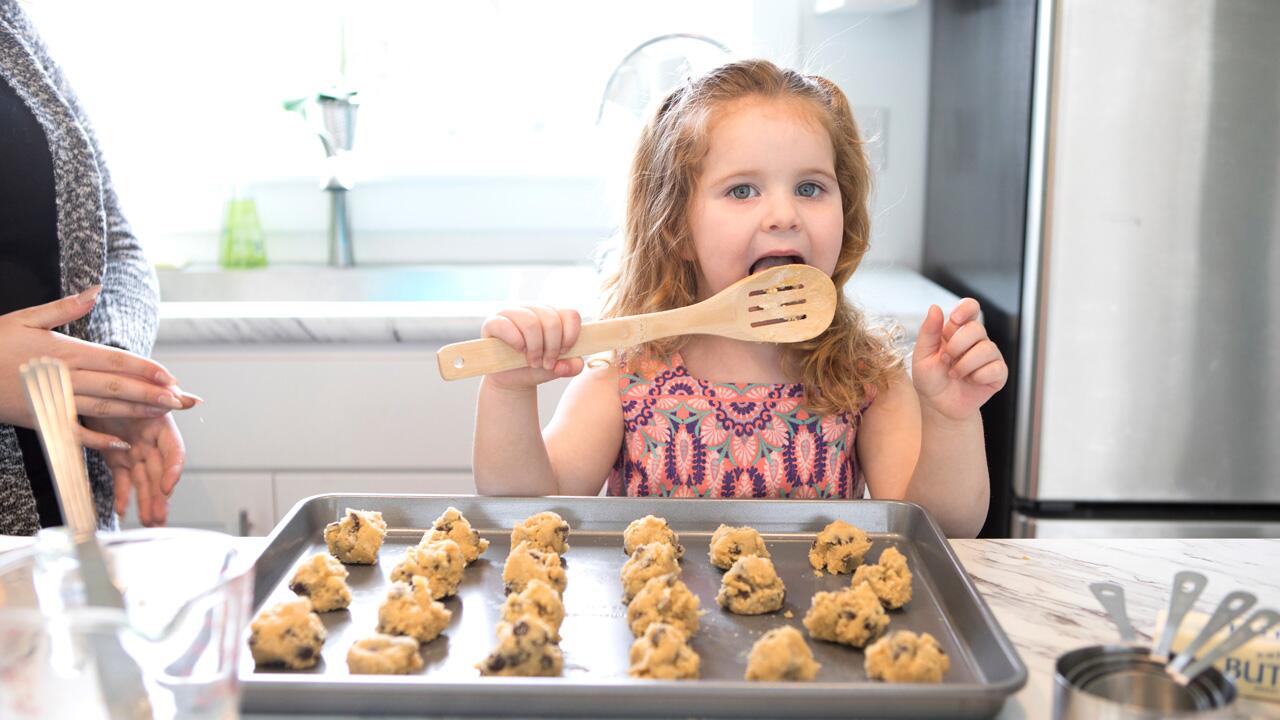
839 548
384 655
751 587
905 657
410 610
525 648
545 531
650 529
852 616
323 579
453 526
648 561
730 543
782 654
890 578
664 599
357 537
663 653
539 600
439 561
527 563
287 634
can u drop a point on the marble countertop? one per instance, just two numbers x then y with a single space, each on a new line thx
429 304
1038 590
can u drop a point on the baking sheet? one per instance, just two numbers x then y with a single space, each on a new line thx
985 668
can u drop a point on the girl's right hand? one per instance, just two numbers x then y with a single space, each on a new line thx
106 382
542 334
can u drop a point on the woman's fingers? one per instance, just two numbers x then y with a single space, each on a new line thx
59 312
84 355
101 442
571 321
138 478
122 478
89 406
91 383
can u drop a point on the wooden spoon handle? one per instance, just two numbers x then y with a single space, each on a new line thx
490 355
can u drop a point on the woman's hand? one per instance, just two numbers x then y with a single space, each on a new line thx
542 334
955 367
107 383
150 467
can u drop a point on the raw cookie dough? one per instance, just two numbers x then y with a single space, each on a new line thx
648 561
453 526
890 578
525 647
527 563
730 543
545 531
650 529
356 538
839 548
852 616
323 579
540 600
782 654
663 653
439 561
905 657
663 599
410 610
384 655
287 634
751 587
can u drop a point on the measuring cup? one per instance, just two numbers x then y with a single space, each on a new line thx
187 599
1129 681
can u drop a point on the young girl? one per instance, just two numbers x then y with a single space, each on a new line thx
748 167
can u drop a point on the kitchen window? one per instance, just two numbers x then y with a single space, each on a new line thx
476 136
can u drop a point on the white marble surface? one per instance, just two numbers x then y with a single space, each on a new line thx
1039 591
258 313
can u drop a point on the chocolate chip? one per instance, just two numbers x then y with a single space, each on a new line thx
496 663
355 522
744 593
510 587
735 550
306 652
300 589
846 614
657 636
521 628
547 662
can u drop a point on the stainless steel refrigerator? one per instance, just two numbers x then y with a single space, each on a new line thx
1105 177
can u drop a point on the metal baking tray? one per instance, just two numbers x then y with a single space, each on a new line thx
985 668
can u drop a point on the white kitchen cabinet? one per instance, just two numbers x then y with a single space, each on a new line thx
316 407
230 502
290 487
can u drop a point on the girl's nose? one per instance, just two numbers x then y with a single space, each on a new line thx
781 216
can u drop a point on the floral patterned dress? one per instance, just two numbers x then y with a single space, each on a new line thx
685 437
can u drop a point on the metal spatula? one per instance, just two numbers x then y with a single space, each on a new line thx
789 303
48 386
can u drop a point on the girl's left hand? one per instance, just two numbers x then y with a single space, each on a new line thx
955 367
150 468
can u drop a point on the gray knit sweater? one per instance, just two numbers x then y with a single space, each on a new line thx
95 245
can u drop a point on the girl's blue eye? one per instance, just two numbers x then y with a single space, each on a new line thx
742 192
809 189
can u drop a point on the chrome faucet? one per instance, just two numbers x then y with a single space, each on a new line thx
337 134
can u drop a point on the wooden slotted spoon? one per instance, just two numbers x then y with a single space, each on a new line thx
789 303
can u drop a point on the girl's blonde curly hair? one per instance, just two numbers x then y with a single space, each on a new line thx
839 367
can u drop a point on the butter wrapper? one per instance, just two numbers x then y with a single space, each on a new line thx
1255 665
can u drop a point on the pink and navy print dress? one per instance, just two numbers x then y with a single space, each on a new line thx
685 437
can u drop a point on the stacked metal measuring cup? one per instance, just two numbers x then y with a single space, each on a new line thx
1129 681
